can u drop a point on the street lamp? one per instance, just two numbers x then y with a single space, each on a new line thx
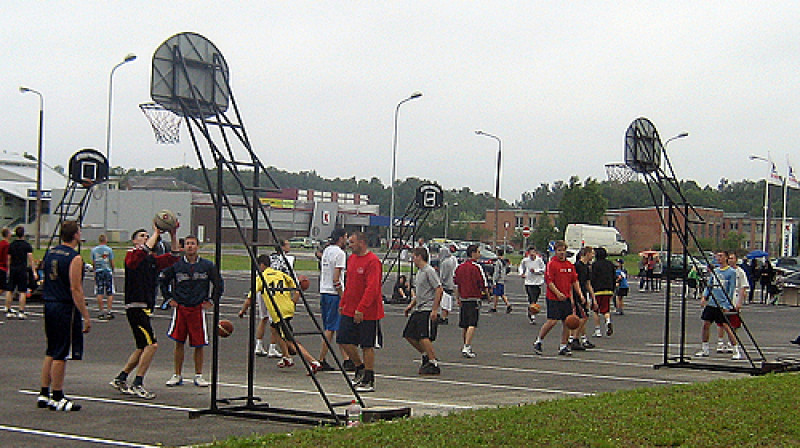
766 200
38 165
447 216
661 212
128 58
496 183
389 234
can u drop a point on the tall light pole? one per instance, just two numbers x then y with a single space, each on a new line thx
38 165
447 216
663 199
128 58
766 201
389 233
496 183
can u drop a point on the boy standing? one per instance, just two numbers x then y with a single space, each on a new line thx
421 328
103 262
561 280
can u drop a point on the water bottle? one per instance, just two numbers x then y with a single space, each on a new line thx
353 413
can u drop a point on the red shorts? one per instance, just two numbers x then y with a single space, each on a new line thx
734 319
189 321
603 302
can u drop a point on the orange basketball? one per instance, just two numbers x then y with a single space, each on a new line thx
225 328
572 322
303 281
534 308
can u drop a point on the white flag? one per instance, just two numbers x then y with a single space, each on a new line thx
774 178
791 180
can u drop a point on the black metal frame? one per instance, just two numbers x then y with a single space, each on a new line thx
200 121
72 205
417 215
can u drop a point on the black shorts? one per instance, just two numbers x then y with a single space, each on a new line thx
3 279
558 309
713 314
63 327
18 280
365 335
281 329
420 326
468 317
622 292
533 291
139 320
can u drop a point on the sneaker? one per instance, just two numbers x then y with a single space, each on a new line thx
285 362
430 369
537 348
359 376
365 386
597 333
720 347
587 344
273 352
42 401
325 367
619 313
468 353
728 348
349 365
11 314
425 360
444 321
576 345
110 315
102 317
702 354
175 380
565 351
120 385
141 392
492 310
609 329
21 315
65 404
261 352
508 309
737 356
315 367
532 320
795 341
199 381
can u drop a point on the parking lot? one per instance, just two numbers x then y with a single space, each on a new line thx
505 372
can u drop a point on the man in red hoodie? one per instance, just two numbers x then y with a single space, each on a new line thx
361 308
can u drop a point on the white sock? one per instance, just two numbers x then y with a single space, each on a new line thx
273 347
705 346
584 338
259 344
538 341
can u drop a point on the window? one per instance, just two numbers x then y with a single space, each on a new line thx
519 221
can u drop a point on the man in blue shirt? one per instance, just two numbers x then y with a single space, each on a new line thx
103 262
716 300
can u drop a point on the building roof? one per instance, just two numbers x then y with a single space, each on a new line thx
18 175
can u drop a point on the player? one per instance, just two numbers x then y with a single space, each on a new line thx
103 262
420 330
20 262
561 280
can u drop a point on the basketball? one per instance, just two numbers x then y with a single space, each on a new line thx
572 321
225 328
534 308
303 281
166 220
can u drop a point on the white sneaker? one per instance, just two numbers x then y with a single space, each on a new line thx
597 333
21 315
273 352
11 314
468 353
260 351
737 356
720 347
199 381
175 380
702 354
728 348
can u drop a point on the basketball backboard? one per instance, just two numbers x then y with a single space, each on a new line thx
642 146
88 167
189 76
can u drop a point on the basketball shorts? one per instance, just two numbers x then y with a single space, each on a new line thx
365 334
282 330
63 327
733 318
622 292
420 326
189 321
3 279
713 314
18 280
329 307
103 283
558 309
603 302
533 292
447 301
499 289
139 320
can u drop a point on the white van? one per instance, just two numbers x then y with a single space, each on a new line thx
581 235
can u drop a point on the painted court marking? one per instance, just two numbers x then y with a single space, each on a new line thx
65 436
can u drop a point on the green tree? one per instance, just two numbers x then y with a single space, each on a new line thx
543 232
733 241
582 204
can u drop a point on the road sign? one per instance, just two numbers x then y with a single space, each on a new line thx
46 194
526 232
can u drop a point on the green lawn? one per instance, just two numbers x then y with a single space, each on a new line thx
750 412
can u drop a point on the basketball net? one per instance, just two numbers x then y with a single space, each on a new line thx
166 125
619 172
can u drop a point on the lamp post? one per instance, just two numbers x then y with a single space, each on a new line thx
663 199
128 58
389 233
447 216
38 165
764 243
496 183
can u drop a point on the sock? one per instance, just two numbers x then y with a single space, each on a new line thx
538 340
273 347
58 395
45 392
571 338
138 381
584 338
259 344
123 376
705 346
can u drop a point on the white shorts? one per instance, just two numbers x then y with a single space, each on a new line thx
447 302
262 309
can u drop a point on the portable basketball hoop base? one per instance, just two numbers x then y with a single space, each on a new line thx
643 153
190 79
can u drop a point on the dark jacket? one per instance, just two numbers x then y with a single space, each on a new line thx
141 276
603 276
191 284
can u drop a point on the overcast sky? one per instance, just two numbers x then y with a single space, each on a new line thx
318 83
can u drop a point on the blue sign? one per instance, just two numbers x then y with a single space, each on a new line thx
46 194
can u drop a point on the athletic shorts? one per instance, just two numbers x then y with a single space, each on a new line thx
329 307
713 314
3 279
533 291
581 309
622 292
365 335
603 302
63 327
189 321
103 283
499 289
420 326
281 329
18 280
468 317
733 319
139 320
558 309
263 313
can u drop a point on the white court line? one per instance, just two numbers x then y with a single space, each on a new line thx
483 385
560 372
590 361
122 402
59 435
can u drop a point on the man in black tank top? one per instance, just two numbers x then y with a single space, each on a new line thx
64 306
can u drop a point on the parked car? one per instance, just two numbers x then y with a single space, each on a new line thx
788 264
678 270
486 261
302 241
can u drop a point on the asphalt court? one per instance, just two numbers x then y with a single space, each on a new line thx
505 372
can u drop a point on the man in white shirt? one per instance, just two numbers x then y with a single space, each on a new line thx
331 285
532 268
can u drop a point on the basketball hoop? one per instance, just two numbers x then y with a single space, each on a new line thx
620 172
166 125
